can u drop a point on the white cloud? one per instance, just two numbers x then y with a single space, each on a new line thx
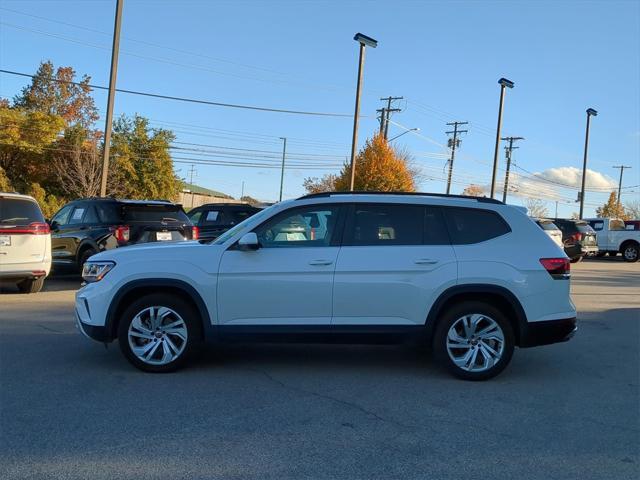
572 176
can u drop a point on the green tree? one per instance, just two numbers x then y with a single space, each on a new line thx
611 209
25 138
379 168
5 184
56 92
141 165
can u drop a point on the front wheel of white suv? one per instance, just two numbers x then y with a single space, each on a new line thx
159 332
474 341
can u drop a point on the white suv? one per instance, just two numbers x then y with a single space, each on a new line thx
25 242
471 276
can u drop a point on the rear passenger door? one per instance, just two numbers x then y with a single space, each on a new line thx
395 260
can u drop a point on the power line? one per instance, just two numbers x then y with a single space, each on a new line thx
189 100
386 114
508 151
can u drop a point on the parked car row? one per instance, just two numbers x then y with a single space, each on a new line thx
594 237
30 245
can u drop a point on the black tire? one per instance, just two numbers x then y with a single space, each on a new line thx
31 285
630 252
577 259
84 256
184 309
601 254
450 317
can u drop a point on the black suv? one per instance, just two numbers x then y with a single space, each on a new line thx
578 237
85 227
213 219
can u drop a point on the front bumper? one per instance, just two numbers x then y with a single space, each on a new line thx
99 334
548 332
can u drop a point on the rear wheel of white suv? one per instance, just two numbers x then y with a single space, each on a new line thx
474 341
159 332
31 285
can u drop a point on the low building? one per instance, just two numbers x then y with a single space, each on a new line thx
192 196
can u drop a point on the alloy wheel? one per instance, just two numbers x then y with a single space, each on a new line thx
157 335
475 342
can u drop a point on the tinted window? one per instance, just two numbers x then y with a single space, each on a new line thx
584 227
300 227
76 216
435 231
62 217
387 224
241 215
470 225
154 213
214 218
195 217
597 225
108 212
90 215
16 211
547 225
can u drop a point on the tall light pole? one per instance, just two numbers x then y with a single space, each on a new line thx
364 41
112 92
284 153
590 112
504 84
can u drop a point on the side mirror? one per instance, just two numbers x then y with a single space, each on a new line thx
249 241
54 225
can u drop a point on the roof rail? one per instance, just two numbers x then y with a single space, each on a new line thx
415 194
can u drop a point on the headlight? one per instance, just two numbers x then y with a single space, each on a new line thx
95 271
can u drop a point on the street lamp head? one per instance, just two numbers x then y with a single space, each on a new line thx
364 40
592 112
506 83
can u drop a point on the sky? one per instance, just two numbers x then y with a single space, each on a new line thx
444 58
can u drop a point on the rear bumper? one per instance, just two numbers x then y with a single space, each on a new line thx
548 332
22 274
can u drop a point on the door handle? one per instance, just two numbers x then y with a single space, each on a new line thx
320 262
425 261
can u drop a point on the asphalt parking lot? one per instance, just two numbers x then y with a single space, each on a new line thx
70 408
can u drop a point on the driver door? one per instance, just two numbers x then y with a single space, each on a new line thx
289 279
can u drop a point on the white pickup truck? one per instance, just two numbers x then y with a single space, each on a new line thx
614 238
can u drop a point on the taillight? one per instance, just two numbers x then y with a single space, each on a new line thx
121 233
34 228
558 268
577 237
195 233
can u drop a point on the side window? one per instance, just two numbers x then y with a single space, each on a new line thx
195 217
597 225
435 231
470 225
76 216
90 216
213 218
300 227
386 224
107 212
241 215
62 217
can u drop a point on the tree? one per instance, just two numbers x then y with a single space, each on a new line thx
378 168
142 165
25 138
326 183
632 209
536 207
77 164
52 92
611 209
474 190
250 200
5 184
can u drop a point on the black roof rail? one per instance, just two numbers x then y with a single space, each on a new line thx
416 194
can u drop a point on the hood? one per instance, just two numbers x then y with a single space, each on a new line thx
189 251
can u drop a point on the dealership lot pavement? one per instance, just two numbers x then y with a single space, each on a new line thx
70 408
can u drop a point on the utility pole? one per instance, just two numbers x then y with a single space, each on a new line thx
590 112
508 149
382 111
556 209
191 172
621 167
284 153
112 92
387 113
454 142
242 191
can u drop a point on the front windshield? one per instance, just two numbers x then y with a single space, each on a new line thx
232 231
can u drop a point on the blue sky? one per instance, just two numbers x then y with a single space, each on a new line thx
444 57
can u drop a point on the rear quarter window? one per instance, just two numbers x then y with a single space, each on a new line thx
470 225
153 213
